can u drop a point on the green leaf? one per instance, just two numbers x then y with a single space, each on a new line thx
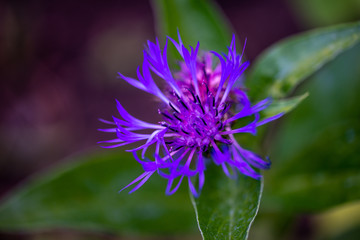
339 222
196 20
326 173
227 207
317 148
282 67
325 12
84 195
283 105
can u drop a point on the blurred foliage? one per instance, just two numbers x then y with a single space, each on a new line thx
84 196
340 221
316 13
283 105
283 66
200 21
316 150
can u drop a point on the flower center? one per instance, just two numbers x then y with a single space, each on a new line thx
194 122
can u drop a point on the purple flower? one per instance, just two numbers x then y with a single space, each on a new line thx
198 117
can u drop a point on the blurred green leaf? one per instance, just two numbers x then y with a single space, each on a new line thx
283 105
326 12
339 221
196 20
227 207
84 195
317 148
282 67
322 175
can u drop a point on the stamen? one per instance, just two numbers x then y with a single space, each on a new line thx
174 114
199 103
193 95
226 108
204 148
178 148
203 121
182 129
173 107
184 105
165 115
197 131
197 97
172 129
175 94
207 89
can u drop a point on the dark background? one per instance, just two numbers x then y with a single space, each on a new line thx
58 67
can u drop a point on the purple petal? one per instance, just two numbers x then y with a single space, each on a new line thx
133 82
169 185
192 188
270 119
144 175
141 183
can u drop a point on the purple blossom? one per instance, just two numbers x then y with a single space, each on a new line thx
198 117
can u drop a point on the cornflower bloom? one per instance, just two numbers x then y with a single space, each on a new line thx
197 117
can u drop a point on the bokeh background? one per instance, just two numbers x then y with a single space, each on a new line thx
58 65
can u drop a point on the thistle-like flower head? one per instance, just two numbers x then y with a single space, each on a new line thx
200 104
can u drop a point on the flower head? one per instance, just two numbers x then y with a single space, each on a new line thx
200 104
